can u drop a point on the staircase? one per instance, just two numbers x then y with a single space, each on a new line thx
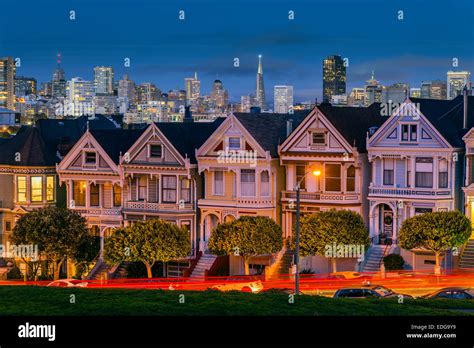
205 263
467 257
374 258
100 271
121 271
281 266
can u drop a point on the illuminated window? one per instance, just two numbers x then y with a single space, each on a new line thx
79 193
117 195
50 188
36 189
21 189
95 195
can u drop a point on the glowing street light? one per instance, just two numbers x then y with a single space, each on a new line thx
316 172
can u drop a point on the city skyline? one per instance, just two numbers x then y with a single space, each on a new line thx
292 54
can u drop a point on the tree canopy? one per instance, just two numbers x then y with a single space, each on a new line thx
327 233
148 242
437 232
59 233
247 236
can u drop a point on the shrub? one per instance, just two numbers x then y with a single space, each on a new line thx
15 273
393 262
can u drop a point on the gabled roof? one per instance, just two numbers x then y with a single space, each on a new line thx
447 117
116 141
354 122
269 129
186 137
32 149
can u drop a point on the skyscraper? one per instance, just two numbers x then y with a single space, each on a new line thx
373 91
146 92
456 82
438 90
58 84
24 86
7 83
193 88
80 97
126 89
104 80
219 95
396 93
334 77
426 89
260 90
283 99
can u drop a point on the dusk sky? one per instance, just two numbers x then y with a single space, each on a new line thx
164 50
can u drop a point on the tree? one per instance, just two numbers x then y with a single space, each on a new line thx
333 234
148 242
85 255
247 236
437 232
58 233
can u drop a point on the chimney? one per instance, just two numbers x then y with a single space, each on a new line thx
465 99
289 127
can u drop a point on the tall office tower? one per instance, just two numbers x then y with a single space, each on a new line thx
282 99
146 92
426 89
334 77
438 90
456 82
415 92
246 102
260 90
104 80
193 87
58 84
24 86
80 97
126 89
219 95
396 93
7 83
373 91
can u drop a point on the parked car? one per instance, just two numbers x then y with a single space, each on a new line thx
368 291
68 283
254 286
455 293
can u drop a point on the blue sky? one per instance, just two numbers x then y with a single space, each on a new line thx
165 50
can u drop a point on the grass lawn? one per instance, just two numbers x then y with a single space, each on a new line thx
33 300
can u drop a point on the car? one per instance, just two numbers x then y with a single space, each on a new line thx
68 283
455 293
255 286
368 291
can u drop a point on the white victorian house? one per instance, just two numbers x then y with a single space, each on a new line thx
417 158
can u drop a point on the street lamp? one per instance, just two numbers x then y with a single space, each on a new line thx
316 172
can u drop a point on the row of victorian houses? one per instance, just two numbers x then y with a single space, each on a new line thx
387 166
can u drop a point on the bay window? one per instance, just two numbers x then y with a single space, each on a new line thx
21 189
79 193
117 192
50 188
36 189
94 195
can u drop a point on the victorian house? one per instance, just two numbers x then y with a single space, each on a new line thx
417 159
117 177
242 174
331 140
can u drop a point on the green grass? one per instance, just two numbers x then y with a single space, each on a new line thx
32 300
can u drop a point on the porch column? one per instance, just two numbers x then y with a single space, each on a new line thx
435 172
101 253
88 192
412 171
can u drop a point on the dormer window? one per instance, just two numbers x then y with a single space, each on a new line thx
90 157
409 132
156 151
234 143
319 138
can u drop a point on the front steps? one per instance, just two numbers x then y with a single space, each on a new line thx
205 263
374 258
282 266
467 257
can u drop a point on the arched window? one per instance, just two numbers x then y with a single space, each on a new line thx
350 179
